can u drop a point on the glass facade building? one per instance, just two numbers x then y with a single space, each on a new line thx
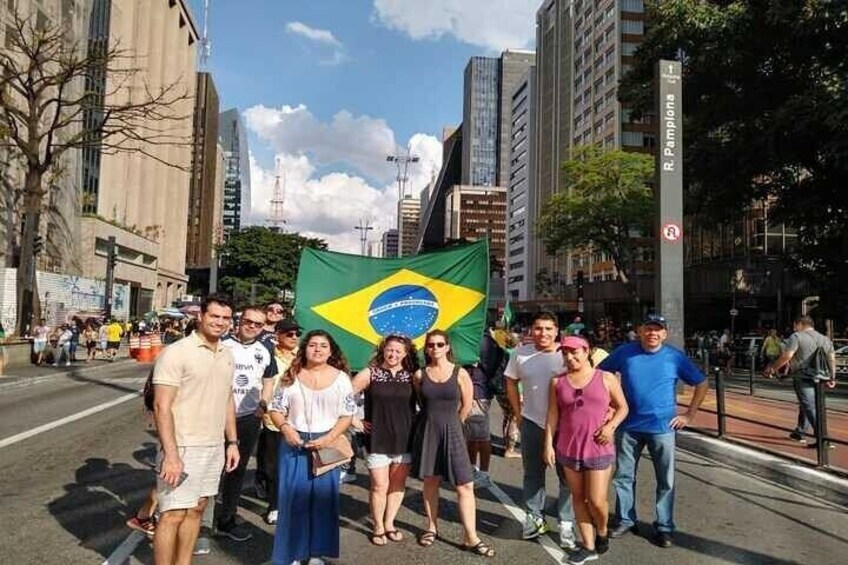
237 174
480 122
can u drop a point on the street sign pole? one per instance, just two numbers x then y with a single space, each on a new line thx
669 199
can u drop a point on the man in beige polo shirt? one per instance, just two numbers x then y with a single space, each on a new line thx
194 412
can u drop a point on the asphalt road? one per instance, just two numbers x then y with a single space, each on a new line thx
67 492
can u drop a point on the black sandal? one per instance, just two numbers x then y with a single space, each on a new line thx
394 535
427 538
480 548
374 538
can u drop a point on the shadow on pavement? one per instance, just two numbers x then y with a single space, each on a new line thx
95 507
723 551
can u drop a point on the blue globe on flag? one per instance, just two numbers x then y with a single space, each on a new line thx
409 310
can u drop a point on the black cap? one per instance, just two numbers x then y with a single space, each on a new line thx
286 325
656 320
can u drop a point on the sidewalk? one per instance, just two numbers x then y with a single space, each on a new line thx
750 419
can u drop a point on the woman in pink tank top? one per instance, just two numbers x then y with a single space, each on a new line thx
585 407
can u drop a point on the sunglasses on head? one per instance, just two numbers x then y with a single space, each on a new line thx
436 344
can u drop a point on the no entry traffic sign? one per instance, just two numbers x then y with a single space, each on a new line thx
671 232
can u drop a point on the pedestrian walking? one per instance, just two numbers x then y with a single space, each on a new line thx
439 452
313 407
389 411
63 336
40 337
811 358
268 448
534 366
194 412
579 435
649 371
114 331
771 348
89 337
507 341
102 335
477 426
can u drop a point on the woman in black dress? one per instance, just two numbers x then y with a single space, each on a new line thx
389 409
445 392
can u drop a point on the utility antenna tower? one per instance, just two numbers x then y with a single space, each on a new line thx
205 44
276 218
364 227
402 160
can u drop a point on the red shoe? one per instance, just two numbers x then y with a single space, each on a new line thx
144 525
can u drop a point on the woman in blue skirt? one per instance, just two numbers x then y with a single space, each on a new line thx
312 407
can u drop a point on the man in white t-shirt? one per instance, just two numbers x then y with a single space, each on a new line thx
534 365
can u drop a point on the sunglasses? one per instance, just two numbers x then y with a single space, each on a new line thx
578 393
252 323
436 344
292 334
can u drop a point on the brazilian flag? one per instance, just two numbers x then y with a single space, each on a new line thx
359 300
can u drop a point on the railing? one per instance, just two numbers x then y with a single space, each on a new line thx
753 385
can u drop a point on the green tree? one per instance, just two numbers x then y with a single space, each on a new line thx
766 114
261 261
607 207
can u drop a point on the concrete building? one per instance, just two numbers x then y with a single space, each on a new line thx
514 64
408 222
476 212
432 228
521 239
134 196
203 203
237 180
389 243
59 225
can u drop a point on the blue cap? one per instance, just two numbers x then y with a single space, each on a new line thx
656 320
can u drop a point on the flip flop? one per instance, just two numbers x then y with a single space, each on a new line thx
394 535
375 539
427 538
480 548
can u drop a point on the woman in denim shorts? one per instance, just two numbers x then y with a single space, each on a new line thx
389 411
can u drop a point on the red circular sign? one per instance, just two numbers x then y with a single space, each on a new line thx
672 231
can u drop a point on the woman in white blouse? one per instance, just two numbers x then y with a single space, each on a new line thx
312 407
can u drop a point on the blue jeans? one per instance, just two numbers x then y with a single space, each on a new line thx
629 447
805 391
532 442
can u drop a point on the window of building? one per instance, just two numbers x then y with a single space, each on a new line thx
637 6
631 138
633 27
628 48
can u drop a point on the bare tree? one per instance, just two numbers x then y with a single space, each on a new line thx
59 95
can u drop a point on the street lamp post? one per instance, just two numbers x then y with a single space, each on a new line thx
363 228
402 161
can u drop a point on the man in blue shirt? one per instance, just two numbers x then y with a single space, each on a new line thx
649 373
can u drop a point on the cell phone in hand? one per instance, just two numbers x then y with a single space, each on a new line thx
182 479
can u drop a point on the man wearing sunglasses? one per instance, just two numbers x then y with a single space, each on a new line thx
649 372
254 369
274 314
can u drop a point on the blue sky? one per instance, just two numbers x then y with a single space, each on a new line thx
328 87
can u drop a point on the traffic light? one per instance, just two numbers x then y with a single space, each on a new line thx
37 245
580 280
113 255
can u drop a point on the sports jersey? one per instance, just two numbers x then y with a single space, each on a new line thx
252 363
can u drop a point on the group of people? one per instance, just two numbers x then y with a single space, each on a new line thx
59 345
217 396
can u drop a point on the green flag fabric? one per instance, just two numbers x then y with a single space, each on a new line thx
360 300
508 316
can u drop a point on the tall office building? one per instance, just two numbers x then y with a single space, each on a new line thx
237 180
476 212
408 221
134 196
583 48
488 83
59 224
389 243
521 237
203 202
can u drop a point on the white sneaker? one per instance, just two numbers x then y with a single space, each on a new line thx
315 561
481 479
271 518
67 364
567 539
534 527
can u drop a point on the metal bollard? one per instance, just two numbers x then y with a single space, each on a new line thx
720 410
821 425
752 371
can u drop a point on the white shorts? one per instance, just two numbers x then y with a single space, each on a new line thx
380 460
203 465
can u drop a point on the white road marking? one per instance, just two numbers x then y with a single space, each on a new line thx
124 551
66 420
547 543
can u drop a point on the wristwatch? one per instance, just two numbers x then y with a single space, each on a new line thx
230 442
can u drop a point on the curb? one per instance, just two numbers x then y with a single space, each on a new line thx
22 382
801 478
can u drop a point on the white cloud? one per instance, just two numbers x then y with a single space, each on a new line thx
319 35
361 142
493 24
328 206
324 38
